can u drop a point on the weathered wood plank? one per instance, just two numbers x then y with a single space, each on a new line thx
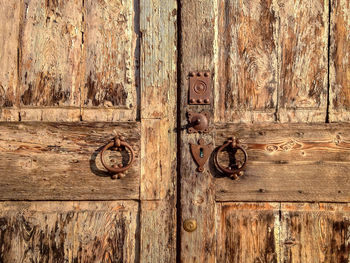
291 162
69 232
49 114
50 53
272 62
158 163
61 161
111 52
315 233
248 232
158 231
339 59
9 31
197 189
247 61
303 56
158 58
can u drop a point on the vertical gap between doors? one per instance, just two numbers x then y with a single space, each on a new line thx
328 59
178 133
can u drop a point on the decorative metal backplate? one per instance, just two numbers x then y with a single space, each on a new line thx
198 122
200 89
200 153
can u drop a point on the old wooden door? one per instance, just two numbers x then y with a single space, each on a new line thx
74 74
280 73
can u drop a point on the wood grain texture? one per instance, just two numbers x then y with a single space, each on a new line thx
158 231
272 62
247 60
283 232
110 54
9 31
315 233
339 59
303 52
158 163
248 232
197 189
68 232
290 162
61 161
158 58
50 53
158 75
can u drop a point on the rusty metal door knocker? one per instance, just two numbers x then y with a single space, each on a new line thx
232 171
117 170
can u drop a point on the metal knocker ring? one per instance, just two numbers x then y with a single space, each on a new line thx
233 143
117 170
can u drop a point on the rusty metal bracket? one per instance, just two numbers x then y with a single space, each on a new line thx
200 89
198 122
201 153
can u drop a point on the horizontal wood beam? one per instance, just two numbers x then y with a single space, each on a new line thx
288 162
61 161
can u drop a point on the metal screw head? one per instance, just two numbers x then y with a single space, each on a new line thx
190 225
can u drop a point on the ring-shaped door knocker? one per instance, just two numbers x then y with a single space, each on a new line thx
233 143
117 170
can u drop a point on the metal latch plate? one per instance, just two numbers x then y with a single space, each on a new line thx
200 89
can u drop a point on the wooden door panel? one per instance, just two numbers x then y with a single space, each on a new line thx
49 54
69 231
9 10
303 60
283 232
61 161
339 59
247 66
288 162
248 232
314 232
67 59
111 60
272 61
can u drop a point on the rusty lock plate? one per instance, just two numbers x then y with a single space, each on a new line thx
200 153
200 89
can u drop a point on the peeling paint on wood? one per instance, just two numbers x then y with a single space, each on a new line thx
339 59
246 232
247 59
69 232
50 53
9 30
315 233
303 49
111 51
283 232
271 61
